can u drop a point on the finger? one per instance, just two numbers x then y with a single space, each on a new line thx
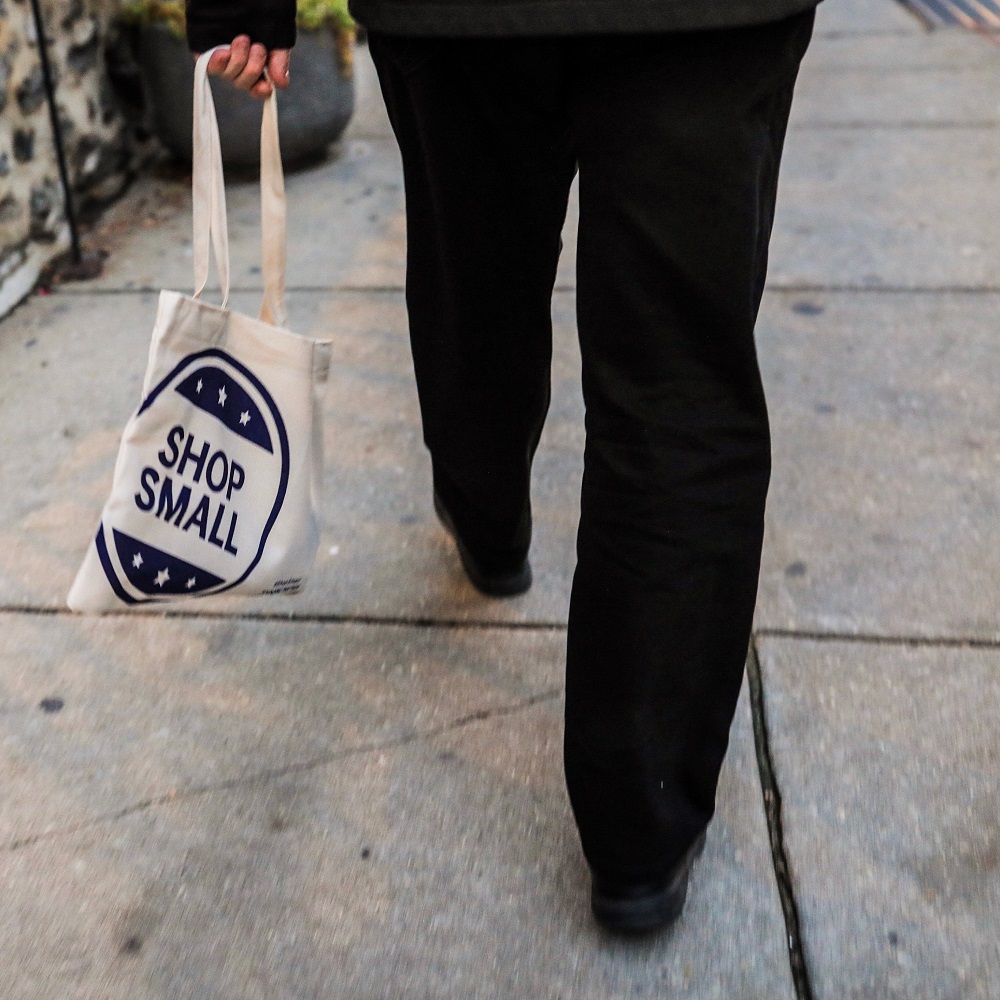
239 52
218 61
278 67
261 89
254 68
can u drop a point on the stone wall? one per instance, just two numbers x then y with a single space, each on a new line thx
33 226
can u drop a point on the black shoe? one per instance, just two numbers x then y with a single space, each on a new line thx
494 580
642 907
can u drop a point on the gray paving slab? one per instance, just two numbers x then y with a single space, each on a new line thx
942 79
886 482
75 363
345 226
156 704
370 120
283 810
907 208
887 761
864 17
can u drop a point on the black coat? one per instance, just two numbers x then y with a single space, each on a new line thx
217 22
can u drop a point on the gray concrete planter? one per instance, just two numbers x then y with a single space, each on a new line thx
312 112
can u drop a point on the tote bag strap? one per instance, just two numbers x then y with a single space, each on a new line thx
208 189
272 216
209 199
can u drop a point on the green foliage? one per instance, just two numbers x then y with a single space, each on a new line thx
317 13
312 14
167 12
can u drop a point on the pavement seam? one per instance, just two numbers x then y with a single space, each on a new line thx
390 621
792 287
302 767
66 289
875 639
772 811
904 125
482 624
485 624
782 287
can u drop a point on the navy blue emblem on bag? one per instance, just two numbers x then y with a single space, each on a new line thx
210 477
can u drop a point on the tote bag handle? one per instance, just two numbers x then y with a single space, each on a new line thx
209 199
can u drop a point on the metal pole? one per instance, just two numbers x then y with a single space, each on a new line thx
56 131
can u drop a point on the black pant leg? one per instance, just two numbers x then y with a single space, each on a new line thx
487 168
679 140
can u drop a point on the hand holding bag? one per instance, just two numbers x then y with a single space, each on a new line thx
217 483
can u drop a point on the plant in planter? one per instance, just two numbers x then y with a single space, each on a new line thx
315 109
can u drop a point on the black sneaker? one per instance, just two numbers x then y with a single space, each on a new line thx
495 581
624 907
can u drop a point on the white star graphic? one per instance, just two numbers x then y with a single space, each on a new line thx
190 583
197 388
137 560
222 396
162 577
244 418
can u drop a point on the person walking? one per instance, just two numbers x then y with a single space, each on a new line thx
673 113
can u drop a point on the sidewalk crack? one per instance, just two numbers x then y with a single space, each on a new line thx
772 809
301 767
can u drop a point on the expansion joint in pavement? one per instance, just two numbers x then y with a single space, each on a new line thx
383 621
880 639
78 288
904 125
301 767
315 618
772 810
801 288
569 289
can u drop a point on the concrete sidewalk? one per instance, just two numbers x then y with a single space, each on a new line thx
358 793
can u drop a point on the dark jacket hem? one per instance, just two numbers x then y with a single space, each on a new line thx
566 17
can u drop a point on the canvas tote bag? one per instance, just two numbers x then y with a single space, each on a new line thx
216 488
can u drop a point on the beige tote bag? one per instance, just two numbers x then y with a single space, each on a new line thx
217 484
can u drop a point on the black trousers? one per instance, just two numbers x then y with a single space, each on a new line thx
677 139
